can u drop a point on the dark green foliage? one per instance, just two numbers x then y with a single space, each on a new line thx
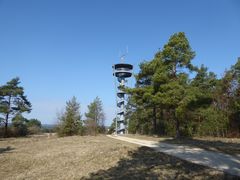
174 92
34 126
166 101
112 128
70 122
95 117
213 122
49 128
12 102
19 126
34 122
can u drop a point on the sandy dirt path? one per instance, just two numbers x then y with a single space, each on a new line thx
220 161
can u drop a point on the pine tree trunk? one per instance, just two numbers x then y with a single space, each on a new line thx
154 121
6 126
177 128
161 125
6 118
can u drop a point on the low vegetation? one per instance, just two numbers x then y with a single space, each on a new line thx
21 126
92 157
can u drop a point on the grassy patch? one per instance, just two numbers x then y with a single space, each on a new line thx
91 157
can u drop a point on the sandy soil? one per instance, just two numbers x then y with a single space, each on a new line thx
224 145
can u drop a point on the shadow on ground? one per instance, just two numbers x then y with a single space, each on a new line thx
145 163
4 150
216 146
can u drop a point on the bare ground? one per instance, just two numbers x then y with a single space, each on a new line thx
91 157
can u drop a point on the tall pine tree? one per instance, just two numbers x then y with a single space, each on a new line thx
12 101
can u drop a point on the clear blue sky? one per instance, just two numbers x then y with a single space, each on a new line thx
64 48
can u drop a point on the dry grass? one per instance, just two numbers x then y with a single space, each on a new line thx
89 157
58 158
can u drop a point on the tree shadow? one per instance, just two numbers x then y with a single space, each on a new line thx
145 163
215 146
7 149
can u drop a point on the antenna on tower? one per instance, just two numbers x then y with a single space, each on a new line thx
123 56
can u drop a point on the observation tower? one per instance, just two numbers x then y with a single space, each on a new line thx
121 72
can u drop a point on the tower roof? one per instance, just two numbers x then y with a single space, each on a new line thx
124 66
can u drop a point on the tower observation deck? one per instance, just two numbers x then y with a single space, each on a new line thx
121 72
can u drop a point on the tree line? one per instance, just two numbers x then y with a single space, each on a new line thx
174 97
71 122
14 102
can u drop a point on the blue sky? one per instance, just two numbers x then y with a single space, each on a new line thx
61 48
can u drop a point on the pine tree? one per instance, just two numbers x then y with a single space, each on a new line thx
19 125
70 120
142 97
169 98
95 116
176 55
12 102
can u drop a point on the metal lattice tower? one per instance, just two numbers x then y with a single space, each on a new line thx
121 72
